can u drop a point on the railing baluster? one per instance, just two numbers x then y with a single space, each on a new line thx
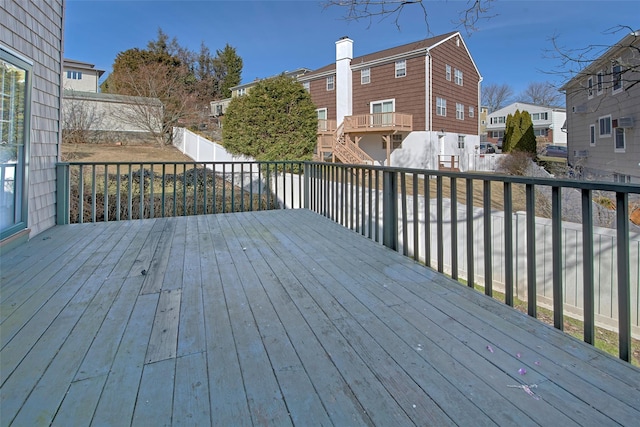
151 194
439 224
81 195
416 219
427 220
93 193
141 175
130 193
454 227
390 209
488 247
508 243
587 267
118 185
470 235
403 198
532 305
106 193
624 283
164 188
204 189
233 186
556 225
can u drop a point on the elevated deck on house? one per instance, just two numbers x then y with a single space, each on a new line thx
276 318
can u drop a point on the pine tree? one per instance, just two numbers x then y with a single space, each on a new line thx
527 141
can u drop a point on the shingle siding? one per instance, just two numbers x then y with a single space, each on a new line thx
34 30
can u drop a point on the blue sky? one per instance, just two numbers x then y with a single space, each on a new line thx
274 36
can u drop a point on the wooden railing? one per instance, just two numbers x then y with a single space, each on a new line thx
379 122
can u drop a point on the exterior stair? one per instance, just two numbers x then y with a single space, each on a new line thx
347 151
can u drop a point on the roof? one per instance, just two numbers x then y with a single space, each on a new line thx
524 106
631 39
405 49
110 97
81 65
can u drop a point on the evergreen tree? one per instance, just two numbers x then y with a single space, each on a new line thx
527 141
276 120
228 70
508 131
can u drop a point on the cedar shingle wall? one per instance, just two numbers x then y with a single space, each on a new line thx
467 94
34 29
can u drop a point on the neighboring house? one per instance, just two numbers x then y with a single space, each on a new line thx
603 124
31 39
547 122
106 117
80 76
484 112
411 105
218 107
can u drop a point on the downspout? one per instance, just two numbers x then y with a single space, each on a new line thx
429 87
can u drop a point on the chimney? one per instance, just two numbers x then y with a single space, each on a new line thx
344 87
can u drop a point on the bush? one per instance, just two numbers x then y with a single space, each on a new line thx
515 163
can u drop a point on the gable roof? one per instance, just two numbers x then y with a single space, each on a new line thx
418 47
631 39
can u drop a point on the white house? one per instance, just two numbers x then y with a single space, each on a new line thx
547 122
80 76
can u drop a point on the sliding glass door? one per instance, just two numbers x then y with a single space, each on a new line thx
15 76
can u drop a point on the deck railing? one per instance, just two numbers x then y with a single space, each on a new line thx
550 243
526 239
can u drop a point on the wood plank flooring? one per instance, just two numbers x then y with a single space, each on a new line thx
276 318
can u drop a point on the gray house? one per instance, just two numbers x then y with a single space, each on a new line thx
603 114
30 88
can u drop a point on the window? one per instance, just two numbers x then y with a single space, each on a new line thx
498 120
590 87
441 106
592 135
599 82
242 91
616 72
497 134
306 86
365 76
330 83
461 142
539 116
541 132
74 75
401 68
382 112
472 112
15 98
619 140
458 77
459 111
448 72
322 119
605 126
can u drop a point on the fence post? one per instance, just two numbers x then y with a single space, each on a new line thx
62 193
306 185
390 209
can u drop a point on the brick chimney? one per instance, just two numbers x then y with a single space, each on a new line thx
344 87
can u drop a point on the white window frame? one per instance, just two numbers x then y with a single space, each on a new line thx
592 135
461 142
319 112
472 112
401 68
615 74
242 91
306 86
365 76
331 85
590 87
599 82
448 72
619 133
459 111
601 120
441 107
458 77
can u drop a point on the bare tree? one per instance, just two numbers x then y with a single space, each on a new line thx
356 10
541 93
80 119
495 96
160 81
578 62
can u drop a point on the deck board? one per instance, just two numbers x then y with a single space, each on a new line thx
276 318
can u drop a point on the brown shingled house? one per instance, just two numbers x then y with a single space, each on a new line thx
415 105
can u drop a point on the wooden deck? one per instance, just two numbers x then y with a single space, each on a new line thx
276 318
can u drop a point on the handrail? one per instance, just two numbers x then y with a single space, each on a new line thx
373 121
